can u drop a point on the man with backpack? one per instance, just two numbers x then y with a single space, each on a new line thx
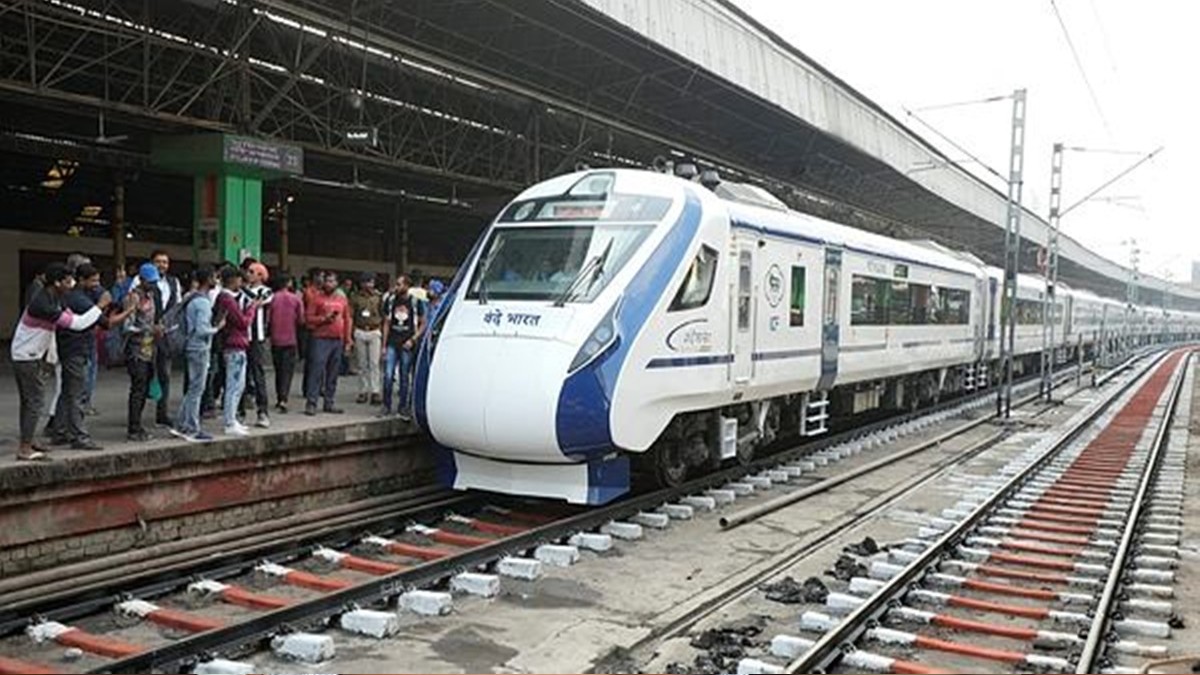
169 293
193 337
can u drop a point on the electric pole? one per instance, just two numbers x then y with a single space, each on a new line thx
1012 251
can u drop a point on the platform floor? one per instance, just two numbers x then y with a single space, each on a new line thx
111 399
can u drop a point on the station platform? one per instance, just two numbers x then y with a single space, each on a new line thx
86 504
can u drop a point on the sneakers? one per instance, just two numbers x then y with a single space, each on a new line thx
164 422
376 399
86 445
237 430
201 437
405 415
281 408
264 421
310 409
182 435
138 437
362 398
331 410
384 413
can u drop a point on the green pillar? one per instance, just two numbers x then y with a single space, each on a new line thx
228 220
228 173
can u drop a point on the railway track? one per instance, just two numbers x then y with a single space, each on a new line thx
1065 565
195 611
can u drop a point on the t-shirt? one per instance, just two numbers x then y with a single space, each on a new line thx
73 343
402 314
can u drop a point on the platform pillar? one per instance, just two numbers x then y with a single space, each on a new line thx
228 220
228 173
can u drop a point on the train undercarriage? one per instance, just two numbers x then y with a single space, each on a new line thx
698 442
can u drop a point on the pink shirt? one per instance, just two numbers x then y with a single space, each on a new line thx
287 314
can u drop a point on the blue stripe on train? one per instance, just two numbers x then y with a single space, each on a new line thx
584 404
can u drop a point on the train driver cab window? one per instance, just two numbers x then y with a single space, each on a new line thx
797 307
698 283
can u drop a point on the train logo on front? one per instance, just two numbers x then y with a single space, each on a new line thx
496 317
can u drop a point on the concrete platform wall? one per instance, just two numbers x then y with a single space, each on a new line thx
51 514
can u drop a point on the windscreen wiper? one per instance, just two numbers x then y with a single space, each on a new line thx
485 267
592 271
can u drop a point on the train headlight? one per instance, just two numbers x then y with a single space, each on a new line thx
602 337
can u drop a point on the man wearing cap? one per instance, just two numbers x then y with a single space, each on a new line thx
257 353
435 292
34 350
169 292
142 331
368 338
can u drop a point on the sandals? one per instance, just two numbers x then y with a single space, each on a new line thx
35 456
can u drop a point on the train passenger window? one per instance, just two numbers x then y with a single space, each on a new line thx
955 306
797 307
745 291
868 301
698 284
900 307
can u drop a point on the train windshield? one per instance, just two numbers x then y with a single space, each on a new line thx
554 263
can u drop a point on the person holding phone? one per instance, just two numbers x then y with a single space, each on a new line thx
328 317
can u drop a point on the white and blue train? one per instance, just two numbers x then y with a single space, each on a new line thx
618 319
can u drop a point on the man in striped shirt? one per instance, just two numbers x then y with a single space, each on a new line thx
258 353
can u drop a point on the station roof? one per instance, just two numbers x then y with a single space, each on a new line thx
473 99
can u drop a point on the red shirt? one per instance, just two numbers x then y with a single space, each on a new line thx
328 317
287 314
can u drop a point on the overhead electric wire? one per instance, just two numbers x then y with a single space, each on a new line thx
956 146
1079 64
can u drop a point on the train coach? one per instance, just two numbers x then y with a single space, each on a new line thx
620 321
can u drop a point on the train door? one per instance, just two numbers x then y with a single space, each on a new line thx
830 325
742 370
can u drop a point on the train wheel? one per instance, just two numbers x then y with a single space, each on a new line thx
745 454
670 465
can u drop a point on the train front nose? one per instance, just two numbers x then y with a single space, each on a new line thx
498 398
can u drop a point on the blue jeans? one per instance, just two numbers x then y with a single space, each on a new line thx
90 387
235 385
188 419
324 359
402 359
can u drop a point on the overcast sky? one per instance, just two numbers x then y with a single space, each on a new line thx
1140 57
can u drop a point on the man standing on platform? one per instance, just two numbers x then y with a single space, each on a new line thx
368 338
401 332
169 294
328 316
198 349
35 351
236 341
286 322
142 332
75 351
258 352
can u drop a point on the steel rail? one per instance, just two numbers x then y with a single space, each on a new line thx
158 581
830 646
253 632
754 512
739 589
1092 647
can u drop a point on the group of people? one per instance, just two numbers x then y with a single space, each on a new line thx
225 325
